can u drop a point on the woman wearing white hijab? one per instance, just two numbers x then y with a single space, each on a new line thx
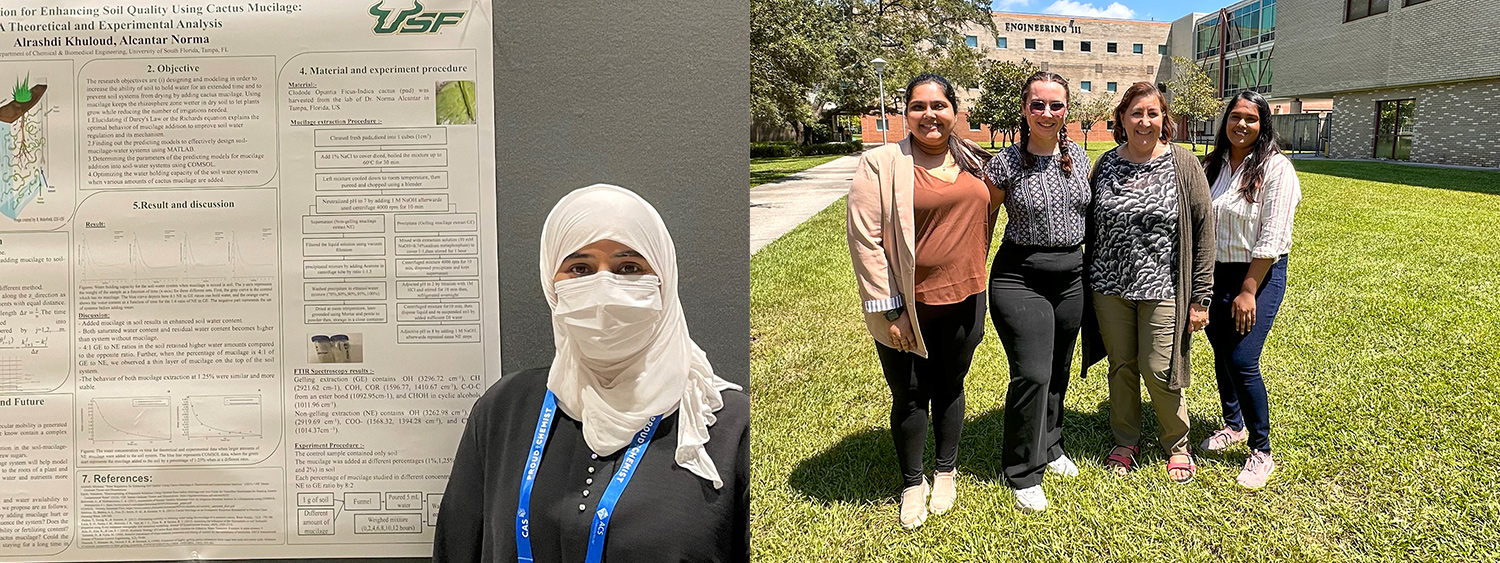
629 447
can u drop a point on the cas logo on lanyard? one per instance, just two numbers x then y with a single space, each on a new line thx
607 501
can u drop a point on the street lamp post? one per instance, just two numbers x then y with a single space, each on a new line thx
880 74
901 95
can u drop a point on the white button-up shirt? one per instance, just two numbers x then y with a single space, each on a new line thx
1262 229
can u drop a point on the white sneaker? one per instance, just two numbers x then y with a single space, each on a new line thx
1063 466
1031 499
914 506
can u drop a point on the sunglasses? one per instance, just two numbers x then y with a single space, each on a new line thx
1038 106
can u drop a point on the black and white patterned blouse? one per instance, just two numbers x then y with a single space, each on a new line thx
1135 237
1043 206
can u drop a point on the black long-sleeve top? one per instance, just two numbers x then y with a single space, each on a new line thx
665 514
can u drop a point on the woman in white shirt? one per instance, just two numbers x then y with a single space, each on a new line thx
1255 192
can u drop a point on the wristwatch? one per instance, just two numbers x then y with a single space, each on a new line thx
893 314
1206 301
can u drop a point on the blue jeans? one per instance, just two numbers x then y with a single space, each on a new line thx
1237 356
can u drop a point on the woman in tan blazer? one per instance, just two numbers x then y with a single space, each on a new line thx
921 214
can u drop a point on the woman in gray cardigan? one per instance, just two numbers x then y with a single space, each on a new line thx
1150 265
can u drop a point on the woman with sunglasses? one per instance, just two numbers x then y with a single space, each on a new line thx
1255 194
1150 265
1036 283
919 224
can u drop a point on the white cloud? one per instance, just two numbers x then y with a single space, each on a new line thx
1072 8
1004 5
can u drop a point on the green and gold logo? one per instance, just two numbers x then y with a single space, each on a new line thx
412 20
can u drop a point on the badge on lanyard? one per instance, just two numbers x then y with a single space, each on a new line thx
600 527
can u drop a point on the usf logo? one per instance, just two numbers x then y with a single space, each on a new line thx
411 20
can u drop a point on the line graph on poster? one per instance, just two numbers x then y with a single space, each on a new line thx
129 419
222 416
177 253
18 375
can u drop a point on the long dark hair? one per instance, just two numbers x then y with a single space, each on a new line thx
969 156
1064 159
1260 152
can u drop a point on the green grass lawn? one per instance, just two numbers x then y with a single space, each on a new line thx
763 170
1383 371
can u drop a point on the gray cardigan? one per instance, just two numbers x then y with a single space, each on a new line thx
1195 264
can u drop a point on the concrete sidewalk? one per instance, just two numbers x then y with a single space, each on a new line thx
778 207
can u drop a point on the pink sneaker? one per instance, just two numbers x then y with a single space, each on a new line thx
1257 469
1221 440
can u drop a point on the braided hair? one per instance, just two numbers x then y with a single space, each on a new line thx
1065 158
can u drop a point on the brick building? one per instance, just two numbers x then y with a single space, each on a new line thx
1410 79
1096 55
1235 46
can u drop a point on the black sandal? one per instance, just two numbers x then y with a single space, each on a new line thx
1116 461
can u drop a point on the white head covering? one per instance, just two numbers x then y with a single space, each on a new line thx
614 401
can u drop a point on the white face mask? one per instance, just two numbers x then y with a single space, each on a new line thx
609 317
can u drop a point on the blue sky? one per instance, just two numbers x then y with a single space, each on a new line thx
1160 10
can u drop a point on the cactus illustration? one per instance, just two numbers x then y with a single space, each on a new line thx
22 147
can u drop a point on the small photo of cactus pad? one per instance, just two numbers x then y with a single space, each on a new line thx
456 104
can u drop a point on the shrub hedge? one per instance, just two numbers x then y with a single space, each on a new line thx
780 149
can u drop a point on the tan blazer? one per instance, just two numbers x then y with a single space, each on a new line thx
882 235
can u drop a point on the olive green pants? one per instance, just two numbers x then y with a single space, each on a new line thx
1138 340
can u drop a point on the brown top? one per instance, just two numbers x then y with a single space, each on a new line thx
952 222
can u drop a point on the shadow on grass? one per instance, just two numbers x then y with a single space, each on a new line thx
862 467
768 176
1478 181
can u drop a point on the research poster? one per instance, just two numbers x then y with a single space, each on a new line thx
247 264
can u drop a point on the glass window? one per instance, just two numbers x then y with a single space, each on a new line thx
971 41
1393 128
1001 43
1086 86
1207 43
1086 46
1161 49
973 125
1109 87
1410 2
1356 9
1030 44
1111 47
1138 48
1109 125
880 124
1057 45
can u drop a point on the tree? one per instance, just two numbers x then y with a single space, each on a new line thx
1194 95
810 59
790 55
1090 108
999 103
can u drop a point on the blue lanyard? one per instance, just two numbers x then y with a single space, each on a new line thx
607 501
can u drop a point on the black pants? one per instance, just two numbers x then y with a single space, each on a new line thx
1036 301
951 333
